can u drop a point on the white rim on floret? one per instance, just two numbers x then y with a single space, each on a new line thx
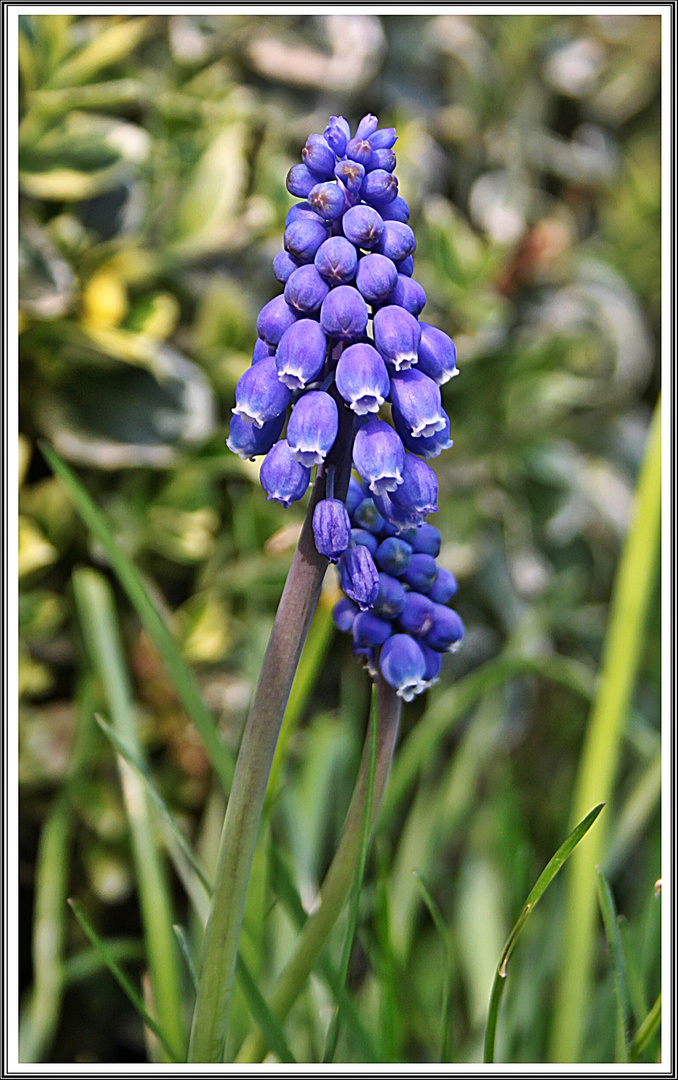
410 690
241 410
307 457
367 402
385 484
426 428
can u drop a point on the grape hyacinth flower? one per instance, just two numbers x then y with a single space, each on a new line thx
344 347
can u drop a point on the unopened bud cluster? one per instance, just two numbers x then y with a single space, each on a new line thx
345 334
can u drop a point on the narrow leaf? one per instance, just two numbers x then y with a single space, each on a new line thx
439 923
182 677
182 940
541 885
120 977
647 1030
614 941
262 1014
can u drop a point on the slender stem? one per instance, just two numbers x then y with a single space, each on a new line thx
243 813
337 884
622 653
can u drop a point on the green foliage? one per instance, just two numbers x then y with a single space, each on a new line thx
153 152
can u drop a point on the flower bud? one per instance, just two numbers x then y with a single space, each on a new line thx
368 517
284 265
283 478
418 492
305 289
249 441
331 528
302 211
312 429
426 541
383 138
259 394
344 613
408 294
336 259
378 456
403 665
337 133
393 556
300 356
406 267
300 180
362 225
421 573
381 159
368 539
447 630
434 662
376 277
396 241
444 587
351 175
318 157
343 314
391 597
416 401
370 631
362 378
367 126
328 200
417 615
396 336
359 150
303 238
379 187
261 350
437 354
274 319
396 210
354 495
359 577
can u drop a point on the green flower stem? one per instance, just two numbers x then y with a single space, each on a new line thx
623 651
243 813
339 878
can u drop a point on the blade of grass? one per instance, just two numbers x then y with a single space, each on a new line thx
96 609
183 679
120 977
614 941
182 941
88 962
541 885
333 1033
180 849
454 703
622 653
39 1020
637 998
647 1030
291 900
439 923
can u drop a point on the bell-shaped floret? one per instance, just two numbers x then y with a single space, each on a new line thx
378 456
312 429
282 478
259 394
437 354
403 665
418 492
396 336
362 378
249 441
416 401
331 528
300 356
447 631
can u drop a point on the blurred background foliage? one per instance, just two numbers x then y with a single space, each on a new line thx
153 155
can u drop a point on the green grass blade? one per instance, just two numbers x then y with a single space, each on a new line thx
354 905
455 702
128 755
183 679
40 1019
291 900
182 941
96 608
647 1030
622 653
262 1014
614 941
443 933
88 962
120 977
541 885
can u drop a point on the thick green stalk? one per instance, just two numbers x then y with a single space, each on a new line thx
595 781
243 813
337 884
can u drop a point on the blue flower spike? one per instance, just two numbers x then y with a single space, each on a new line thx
349 315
